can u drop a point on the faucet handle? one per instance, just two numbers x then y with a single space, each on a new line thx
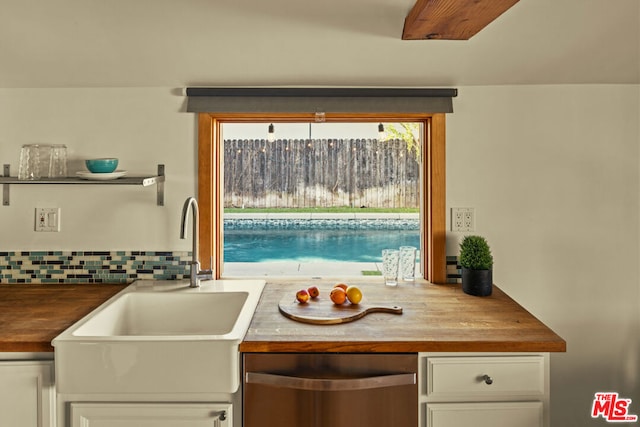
205 275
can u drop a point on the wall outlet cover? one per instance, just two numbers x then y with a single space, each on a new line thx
463 219
47 219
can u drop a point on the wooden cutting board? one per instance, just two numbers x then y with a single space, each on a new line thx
321 311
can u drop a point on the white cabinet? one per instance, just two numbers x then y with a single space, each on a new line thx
501 389
27 393
150 415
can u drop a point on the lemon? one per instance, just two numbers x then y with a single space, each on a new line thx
354 294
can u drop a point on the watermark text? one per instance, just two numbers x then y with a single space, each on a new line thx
612 408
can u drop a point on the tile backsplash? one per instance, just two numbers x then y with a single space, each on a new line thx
112 266
92 266
454 271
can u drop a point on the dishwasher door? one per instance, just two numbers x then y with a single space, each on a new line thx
330 390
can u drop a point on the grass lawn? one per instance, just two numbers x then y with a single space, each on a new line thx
371 273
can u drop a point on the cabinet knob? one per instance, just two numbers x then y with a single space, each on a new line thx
487 379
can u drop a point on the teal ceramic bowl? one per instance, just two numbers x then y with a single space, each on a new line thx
101 165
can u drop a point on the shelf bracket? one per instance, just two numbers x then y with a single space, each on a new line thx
160 186
5 187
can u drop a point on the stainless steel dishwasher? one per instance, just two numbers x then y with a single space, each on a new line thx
330 390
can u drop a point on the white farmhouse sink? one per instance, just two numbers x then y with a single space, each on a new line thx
159 337
166 314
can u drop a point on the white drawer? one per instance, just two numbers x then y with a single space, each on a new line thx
490 414
508 377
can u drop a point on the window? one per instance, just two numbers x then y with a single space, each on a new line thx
210 180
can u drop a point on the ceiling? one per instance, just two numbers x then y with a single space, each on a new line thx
178 43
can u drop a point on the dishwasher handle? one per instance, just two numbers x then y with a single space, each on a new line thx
330 384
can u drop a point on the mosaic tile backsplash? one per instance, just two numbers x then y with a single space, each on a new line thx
92 266
454 271
112 266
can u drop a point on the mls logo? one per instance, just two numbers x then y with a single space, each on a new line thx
612 408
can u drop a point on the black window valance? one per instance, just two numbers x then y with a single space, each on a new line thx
313 100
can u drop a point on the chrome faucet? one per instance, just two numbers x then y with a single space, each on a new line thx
196 273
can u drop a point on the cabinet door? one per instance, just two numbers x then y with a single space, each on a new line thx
489 414
151 415
27 394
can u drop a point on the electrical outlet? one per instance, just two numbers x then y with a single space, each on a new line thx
47 219
463 219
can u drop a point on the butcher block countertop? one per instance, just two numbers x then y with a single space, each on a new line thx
435 318
32 315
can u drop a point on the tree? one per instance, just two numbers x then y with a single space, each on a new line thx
406 131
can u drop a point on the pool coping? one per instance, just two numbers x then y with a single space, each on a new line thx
297 269
311 215
310 270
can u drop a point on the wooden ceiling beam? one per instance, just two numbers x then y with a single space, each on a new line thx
451 19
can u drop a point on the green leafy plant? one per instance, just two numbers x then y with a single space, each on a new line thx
408 132
475 253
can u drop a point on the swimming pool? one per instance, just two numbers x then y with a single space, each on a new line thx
303 240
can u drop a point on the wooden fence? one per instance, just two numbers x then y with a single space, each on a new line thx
320 173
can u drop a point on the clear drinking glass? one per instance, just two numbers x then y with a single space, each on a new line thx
390 266
408 263
44 157
29 168
58 161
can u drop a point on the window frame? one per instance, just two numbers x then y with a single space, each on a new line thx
433 192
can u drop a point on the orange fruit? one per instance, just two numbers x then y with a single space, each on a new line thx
354 294
341 285
338 296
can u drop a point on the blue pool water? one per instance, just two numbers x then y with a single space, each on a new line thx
315 240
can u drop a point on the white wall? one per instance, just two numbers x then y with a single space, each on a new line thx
553 172
142 127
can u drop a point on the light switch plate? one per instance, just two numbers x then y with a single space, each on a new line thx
47 219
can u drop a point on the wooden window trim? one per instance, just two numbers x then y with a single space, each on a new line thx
433 209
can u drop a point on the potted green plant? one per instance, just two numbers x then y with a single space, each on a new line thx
477 266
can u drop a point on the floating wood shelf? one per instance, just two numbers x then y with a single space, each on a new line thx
144 181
